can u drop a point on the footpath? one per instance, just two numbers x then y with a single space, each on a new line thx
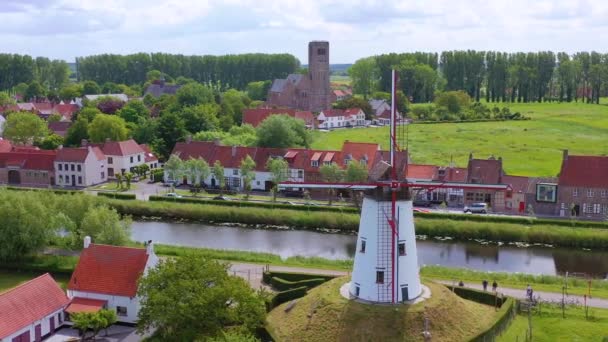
253 274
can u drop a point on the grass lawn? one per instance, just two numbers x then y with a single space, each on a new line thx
549 326
342 80
10 278
110 186
532 148
324 315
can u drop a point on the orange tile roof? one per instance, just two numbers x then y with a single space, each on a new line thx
419 171
29 302
79 304
108 269
584 171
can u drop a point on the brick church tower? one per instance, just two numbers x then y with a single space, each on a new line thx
318 74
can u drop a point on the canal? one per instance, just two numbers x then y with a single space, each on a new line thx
287 243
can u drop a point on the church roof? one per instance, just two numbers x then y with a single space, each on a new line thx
278 85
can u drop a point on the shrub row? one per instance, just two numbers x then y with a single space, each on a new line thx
506 314
482 297
285 296
117 195
253 216
293 276
283 285
57 191
349 210
428 122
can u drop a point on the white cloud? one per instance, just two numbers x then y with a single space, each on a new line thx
358 28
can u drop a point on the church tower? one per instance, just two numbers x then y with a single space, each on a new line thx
318 74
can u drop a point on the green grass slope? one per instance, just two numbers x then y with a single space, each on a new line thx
530 148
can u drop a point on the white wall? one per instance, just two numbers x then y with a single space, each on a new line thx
365 266
2 121
44 323
90 171
124 162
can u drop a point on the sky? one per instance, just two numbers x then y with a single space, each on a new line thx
66 29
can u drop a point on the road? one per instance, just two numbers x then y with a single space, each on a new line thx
253 274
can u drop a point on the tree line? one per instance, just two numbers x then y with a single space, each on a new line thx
495 76
229 71
16 69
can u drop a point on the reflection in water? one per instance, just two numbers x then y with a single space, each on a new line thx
531 260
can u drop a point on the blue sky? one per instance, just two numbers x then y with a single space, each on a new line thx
69 28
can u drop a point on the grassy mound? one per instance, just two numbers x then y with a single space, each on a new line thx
324 315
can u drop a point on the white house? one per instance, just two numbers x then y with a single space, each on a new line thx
32 310
379 106
107 277
2 122
355 117
80 166
337 118
123 156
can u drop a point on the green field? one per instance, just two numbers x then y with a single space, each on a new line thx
11 278
531 148
549 326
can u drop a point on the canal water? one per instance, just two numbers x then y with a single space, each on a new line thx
287 243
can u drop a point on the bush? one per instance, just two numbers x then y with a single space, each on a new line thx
56 191
285 296
291 276
482 297
117 195
283 285
506 314
157 175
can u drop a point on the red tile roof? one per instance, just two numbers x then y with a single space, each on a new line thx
149 156
339 93
66 110
517 183
109 270
358 151
584 171
60 127
79 304
352 111
455 174
29 302
28 159
307 116
484 171
72 154
420 171
228 156
333 112
254 117
121 148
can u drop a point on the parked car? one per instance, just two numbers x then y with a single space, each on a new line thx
221 198
173 194
476 208
422 203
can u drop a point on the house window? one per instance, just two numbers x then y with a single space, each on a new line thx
79 167
60 167
300 173
509 193
321 52
575 192
470 196
60 318
479 197
235 172
236 182
121 310
605 209
379 277
110 172
60 179
110 160
72 167
597 208
65 166
314 163
103 175
357 291
401 248
363 243
138 157
79 179
131 158
603 193
589 192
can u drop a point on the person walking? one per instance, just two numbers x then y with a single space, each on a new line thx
494 286
485 285
461 283
529 292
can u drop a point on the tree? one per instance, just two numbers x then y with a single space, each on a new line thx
34 90
153 75
365 76
51 142
21 88
89 113
331 174
356 102
282 131
279 169
104 225
119 180
108 104
258 90
233 102
5 99
204 289
193 94
356 172
174 167
70 92
106 127
78 132
247 174
134 111
170 130
25 128
454 101
90 88
128 178
202 117
197 169
95 321
218 174
53 118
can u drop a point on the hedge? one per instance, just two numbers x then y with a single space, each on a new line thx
57 191
482 297
506 314
117 195
293 276
428 122
346 210
283 285
285 296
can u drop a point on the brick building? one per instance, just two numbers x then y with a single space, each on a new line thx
27 167
309 92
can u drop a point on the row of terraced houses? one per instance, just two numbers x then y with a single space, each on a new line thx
580 189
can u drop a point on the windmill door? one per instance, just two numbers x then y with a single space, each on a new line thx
404 294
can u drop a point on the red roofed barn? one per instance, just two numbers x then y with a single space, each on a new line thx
27 166
107 277
32 310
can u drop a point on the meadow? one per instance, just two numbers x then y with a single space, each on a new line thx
528 148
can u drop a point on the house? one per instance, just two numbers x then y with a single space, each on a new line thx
331 118
432 173
27 166
309 92
354 117
66 110
2 122
384 118
379 107
513 200
582 188
32 310
59 127
483 171
159 88
107 277
150 158
80 166
122 156
341 94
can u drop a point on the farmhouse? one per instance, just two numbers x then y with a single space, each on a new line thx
80 167
107 277
32 310
123 156
27 166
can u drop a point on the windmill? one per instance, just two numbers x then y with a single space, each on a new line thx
386 268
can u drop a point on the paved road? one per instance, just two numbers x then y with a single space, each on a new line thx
253 274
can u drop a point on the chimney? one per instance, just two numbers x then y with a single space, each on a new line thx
87 241
233 151
149 247
565 157
84 142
